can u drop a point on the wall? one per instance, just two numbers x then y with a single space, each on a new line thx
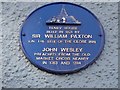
18 72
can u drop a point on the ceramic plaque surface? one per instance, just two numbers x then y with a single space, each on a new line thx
62 38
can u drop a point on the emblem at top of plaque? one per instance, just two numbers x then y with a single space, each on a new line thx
63 19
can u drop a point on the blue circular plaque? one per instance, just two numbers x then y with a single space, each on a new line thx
62 38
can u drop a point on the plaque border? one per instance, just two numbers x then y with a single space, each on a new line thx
61 72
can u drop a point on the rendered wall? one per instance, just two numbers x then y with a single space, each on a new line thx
18 72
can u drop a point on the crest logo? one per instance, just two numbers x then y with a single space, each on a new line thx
63 19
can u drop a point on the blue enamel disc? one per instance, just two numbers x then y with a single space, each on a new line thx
62 38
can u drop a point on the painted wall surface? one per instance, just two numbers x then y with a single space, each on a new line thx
18 72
